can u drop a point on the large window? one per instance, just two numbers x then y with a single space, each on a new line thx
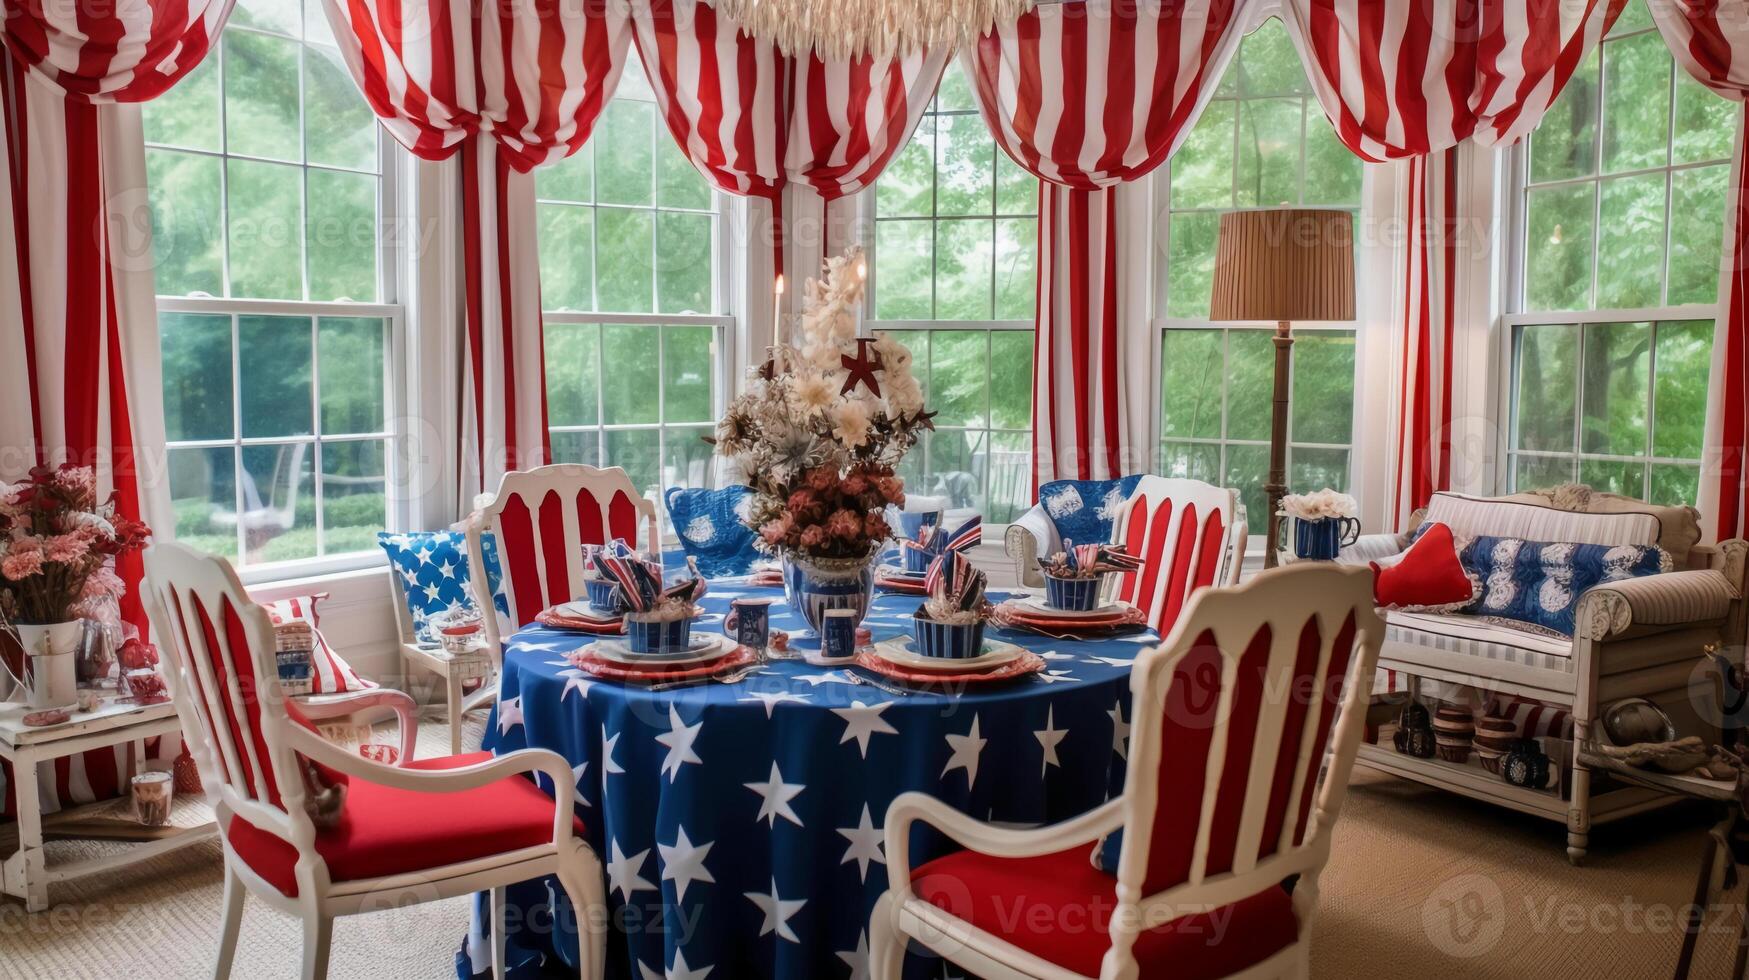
268 183
629 279
1262 142
955 225
1619 231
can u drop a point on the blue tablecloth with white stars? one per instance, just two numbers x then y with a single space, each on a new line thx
740 824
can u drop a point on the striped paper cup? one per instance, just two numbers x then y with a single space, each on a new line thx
1074 594
948 641
657 635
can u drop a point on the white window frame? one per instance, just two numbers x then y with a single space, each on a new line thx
866 222
392 162
1516 317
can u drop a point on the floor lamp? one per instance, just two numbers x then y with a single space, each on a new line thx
1283 264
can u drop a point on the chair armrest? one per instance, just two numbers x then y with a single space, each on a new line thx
1030 535
983 837
1372 547
327 707
1669 599
541 762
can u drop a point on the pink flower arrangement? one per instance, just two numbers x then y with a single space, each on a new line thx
58 544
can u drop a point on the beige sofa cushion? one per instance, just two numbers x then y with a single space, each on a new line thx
1678 527
1535 519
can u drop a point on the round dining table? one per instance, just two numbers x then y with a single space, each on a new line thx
740 824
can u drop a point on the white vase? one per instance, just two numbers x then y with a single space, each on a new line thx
49 651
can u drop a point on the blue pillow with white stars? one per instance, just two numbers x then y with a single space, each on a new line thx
1085 511
433 566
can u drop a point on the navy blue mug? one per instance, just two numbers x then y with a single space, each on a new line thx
838 633
749 623
1324 538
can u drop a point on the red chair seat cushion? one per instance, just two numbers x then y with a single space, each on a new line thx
384 831
1058 907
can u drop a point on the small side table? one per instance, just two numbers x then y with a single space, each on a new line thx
26 873
456 671
1728 839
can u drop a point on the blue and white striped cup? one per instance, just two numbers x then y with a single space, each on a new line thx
1073 594
948 641
601 596
657 635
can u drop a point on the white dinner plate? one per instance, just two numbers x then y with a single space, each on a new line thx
583 610
703 647
902 651
1036 604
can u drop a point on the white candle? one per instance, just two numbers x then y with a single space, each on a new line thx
777 312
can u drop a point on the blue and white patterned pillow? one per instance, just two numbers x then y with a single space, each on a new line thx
712 529
1540 582
433 566
1085 511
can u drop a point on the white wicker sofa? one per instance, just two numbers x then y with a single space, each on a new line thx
1639 637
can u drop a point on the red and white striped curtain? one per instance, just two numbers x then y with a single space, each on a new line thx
78 324
502 88
1409 80
758 124
1711 41
1142 74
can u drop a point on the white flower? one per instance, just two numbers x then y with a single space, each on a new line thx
904 395
850 423
814 393
1318 505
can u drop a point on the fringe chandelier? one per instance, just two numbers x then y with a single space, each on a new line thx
840 29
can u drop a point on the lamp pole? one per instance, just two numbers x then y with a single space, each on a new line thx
1276 487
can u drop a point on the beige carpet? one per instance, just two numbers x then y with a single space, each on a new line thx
1422 884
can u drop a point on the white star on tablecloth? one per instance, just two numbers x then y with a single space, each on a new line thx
1054 655
965 753
778 912
857 959
1120 731
509 714
679 738
575 680
679 971
771 699
577 777
825 677
865 844
1111 661
1048 739
622 873
862 721
774 797
1053 676
608 766
683 862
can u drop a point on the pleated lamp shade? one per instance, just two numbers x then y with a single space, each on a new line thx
1284 264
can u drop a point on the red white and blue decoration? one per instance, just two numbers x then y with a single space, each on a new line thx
434 571
741 824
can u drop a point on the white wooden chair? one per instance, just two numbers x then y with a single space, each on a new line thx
427 830
542 518
1190 534
1222 805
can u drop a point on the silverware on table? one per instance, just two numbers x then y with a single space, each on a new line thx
866 681
732 677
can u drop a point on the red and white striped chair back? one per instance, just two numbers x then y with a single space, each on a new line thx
223 675
541 519
1188 533
1231 718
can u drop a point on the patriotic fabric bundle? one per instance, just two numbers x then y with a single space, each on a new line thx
934 541
956 591
1089 560
638 586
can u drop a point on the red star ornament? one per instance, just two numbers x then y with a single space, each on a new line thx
862 368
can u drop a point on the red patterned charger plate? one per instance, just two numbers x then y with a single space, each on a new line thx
902 584
1026 663
582 624
1011 613
656 673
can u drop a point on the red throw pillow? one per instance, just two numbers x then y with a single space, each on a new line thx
1428 574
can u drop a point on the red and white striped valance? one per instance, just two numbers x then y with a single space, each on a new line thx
120 52
1710 40
534 75
1401 78
1141 74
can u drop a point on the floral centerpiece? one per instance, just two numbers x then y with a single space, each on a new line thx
57 563
818 432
